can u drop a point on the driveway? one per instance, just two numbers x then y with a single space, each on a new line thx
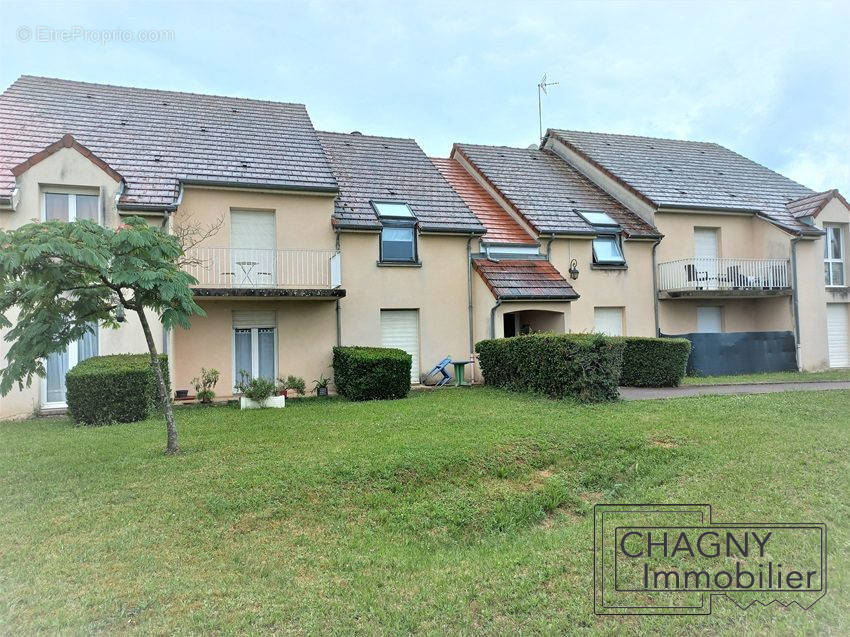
649 393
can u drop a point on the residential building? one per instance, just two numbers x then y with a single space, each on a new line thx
317 238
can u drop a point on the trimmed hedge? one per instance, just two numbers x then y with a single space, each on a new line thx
118 388
585 367
654 362
368 373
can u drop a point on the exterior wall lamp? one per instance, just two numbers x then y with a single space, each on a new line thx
573 269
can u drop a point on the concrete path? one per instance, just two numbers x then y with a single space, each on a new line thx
650 393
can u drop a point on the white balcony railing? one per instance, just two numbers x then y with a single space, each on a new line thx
255 268
708 274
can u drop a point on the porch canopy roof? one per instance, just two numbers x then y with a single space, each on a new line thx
524 279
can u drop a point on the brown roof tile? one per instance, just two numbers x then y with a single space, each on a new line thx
686 174
501 227
811 205
547 192
156 139
370 168
534 279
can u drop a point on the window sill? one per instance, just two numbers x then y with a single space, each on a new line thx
399 264
608 266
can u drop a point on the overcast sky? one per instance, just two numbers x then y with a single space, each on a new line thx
771 81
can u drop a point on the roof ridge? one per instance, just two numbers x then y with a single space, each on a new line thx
359 134
631 136
151 90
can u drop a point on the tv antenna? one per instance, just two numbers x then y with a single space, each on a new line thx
541 88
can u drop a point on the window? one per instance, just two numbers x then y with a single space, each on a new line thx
398 234
64 206
709 319
833 256
607 249
608 320
59 363
254 349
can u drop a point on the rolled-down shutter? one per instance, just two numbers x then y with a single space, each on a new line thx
400 328
246 319
608 320
837 334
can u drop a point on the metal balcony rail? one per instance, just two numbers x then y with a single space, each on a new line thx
256 268
723 274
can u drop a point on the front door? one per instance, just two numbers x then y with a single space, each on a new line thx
60 363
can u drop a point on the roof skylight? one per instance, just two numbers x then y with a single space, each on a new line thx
392 209
598 218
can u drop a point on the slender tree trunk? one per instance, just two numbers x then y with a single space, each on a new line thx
160 381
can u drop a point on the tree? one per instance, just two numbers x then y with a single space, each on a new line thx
65 276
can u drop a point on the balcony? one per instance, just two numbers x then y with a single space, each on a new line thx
709 277
240 272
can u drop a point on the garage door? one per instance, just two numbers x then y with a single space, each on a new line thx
608 320
400 328
837 329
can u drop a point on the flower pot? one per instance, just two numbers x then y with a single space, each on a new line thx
272 401
321 391
181 393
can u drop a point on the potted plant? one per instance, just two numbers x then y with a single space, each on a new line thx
205 384
321 385
257 392
295 383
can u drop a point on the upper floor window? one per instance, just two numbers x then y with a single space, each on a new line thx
833 256
69 206
398 232
607 249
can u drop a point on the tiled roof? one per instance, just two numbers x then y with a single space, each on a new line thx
371 168
524 279
548 192
812 205
687 174
501 227
155 139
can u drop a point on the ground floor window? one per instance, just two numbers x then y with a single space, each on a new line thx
709 319
59 363
400 328
608 320
254 344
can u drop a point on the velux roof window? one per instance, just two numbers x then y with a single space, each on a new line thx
607 249
398 232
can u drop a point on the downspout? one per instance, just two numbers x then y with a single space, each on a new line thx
493 318
338 308
549 248
469 301
655 287
795 301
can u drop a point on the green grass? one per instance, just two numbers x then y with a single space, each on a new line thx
769 377
457 511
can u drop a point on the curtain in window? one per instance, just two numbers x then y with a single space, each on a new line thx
57 367
55 207
265 342
87 207
87 345
243 353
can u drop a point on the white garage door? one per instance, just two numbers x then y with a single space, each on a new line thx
836 329
400 328
608 320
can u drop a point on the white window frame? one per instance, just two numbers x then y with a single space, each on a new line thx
831 259
255 351
72 349
70 192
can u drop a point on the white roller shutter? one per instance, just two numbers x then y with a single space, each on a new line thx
246 319
400 328
837 334
253 260
608 320
709 319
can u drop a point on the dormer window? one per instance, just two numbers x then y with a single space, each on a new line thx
70 206
398 232
607 246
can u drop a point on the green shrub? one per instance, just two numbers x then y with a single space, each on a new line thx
205 384
585 367
258 389
295 383
117 388
368 373
654 362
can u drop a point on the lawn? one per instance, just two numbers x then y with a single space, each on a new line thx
455 511
769 377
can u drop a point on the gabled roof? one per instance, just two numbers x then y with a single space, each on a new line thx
546 191
158 139
517 279
812 205
66 141
684 174
370 168
501 227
